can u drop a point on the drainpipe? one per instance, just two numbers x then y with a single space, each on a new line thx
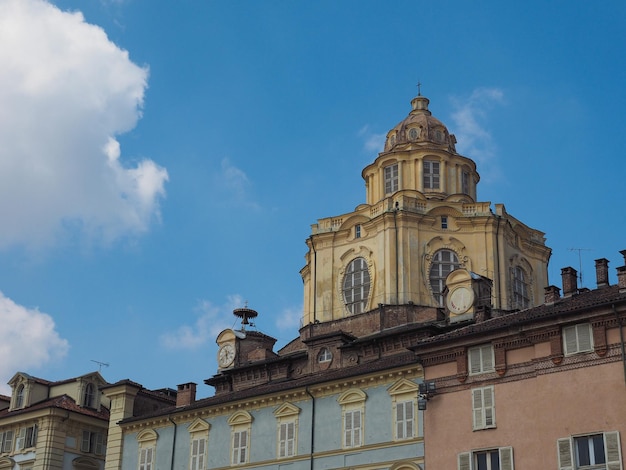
173 441
621 338
311 459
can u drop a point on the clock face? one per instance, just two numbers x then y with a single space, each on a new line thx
226 355
460 299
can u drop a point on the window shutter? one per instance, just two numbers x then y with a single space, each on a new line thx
489 409
564 449
487 358
19 442
612 451
357 428
408 407
569 340
465 461
506 458
348 429
8 441
474 356
477 408
85 444
584 337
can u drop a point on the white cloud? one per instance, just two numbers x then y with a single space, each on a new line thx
28 339
373 143
234 186
469 117
290 318
66 92
210 321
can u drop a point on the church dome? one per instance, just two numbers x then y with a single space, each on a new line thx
418 128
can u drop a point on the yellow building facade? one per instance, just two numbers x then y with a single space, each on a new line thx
421 221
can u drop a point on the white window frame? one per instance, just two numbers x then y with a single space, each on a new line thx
198 449
521 297
568 457
6 441
286 439
146 457
20 396
469 460
325 355
26 438
483 408
356 285
352 417
480 359
357 231
241 426
439 270
391 178
405 419
577 339
432 175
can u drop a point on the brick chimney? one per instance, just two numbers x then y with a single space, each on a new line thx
186 394
621 278
623 252
602 272
569 276
552 294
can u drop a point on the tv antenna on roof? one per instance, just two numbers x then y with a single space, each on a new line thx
580 263
100 364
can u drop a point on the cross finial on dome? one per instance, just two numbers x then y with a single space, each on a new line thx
419 88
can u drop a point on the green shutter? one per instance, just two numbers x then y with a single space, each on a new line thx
477 408
612 451
564 452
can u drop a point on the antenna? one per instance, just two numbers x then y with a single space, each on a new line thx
100 364
580 263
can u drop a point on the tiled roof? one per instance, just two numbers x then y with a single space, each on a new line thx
578 302
64 402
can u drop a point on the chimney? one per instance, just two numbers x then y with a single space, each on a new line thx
621 278
602 272
552 294
569 275
186 394
623 252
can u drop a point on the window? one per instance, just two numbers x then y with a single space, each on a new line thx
357 231
240 447
241 423
88 401
405 420
413 133
431 175
465 182
599 451
444 262
198 454
356 286
353 407
352 428
6 441
19 396
480 359
391 178
520 289
325 355
26 438
492 459
483 408
146 458
147 440
287 439
93 442
577 339
444 222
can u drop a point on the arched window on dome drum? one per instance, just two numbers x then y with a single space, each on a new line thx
521 298
356 286
431 175
444 262
391 178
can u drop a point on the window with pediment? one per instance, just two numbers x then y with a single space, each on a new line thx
287 430
147 440
241 425
199 443
404 407
352 413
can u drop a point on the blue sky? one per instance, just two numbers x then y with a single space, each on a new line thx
161 162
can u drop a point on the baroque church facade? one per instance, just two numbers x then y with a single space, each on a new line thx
430 340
